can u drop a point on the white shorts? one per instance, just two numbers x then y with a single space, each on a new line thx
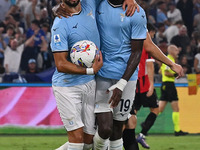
76 106
121 112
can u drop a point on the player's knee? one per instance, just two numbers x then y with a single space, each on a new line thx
105 131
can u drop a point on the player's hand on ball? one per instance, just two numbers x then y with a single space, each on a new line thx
98 62
59 11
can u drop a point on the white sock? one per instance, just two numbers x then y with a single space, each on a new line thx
87 146
116 145
63 147
75 146
99 143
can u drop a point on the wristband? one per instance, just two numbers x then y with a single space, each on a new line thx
89 71
120 85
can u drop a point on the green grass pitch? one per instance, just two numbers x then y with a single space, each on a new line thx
50 142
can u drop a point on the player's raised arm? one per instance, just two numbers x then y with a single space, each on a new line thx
156 53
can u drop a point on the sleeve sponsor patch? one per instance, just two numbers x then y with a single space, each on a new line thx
57 40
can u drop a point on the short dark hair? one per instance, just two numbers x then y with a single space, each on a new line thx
45 25
160 3
36 22
151 27
179 22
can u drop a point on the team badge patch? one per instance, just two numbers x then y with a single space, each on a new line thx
122 17
57 40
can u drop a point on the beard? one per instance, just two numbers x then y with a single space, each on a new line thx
71 4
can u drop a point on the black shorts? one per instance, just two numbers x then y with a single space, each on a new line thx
142 100
168 92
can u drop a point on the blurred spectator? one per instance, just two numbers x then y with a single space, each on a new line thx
37 31
32 66
44 59
186 8
160 33
161 13
31 12
4 7
45 28
197 61
163 45
12 56
39 36
172 30
2 47
10 32
173 14
196 23
190 56
181 40
44 18
28 53
4 24
184 63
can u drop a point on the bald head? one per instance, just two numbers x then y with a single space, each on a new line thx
173 50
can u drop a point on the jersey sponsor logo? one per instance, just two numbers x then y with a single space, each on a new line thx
122 16
99 12
55 29
75 27
57 40
143 16
91 14
122 114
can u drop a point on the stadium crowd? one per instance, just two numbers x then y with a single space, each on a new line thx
25 34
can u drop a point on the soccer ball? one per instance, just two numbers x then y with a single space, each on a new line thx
83 53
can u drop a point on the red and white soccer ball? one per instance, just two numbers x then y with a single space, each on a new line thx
83 53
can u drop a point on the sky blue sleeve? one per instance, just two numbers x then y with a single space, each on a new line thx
59 34
93 3
139 25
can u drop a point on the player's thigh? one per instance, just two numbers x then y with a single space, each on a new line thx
102 97
88 102
69 104
121 112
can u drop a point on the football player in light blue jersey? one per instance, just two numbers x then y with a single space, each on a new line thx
121 40
74 86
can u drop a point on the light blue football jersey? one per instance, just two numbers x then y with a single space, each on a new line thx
116 31
67 31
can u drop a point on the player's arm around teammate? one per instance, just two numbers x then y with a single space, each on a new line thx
129 5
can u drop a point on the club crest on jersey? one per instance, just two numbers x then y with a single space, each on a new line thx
91 14
57 40
122 17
